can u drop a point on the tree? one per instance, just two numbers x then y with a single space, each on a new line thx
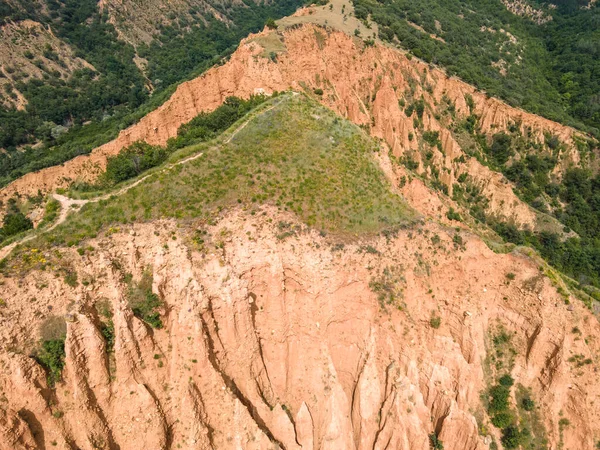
271 25
14 221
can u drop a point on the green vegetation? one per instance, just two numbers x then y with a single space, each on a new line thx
521 426
549 69
332 184
530 419
114 95
389 287
107 326
132 161
435 322
453 215
52 357
14 221
51 354
51 212
207 126
140 156
574 202
144 303
435 442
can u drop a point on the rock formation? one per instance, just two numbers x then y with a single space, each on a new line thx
272 343
361 83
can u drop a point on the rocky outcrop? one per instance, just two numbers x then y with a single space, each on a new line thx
272 343
364 84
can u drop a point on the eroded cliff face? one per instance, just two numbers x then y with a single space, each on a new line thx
288 342
364 84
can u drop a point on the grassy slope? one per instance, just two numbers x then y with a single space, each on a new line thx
298 156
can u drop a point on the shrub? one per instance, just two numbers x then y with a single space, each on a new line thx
14 222
501 147
270 24
512 437
458 240
528 404
435 321
564 422
51 212
318 91
499 399
410 163
420 108
71 278
108 332
435 442
506 381
431 137
52 357
552 141
132 161
502 420
144 303
502 338
453 215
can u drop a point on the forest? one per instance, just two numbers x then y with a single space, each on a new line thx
550 68
70 117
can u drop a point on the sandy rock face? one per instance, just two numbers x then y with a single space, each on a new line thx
272 343
364 84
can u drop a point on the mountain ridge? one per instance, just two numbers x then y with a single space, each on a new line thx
246 73
321 244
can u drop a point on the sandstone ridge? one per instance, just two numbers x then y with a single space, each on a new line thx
364 84
272 343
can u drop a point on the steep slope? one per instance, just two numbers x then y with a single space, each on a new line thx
142 25
224 321
366 84
29 51
536 55
74 73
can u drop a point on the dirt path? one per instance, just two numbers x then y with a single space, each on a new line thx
68 204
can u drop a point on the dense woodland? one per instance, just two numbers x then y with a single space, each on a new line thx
552 69
116 94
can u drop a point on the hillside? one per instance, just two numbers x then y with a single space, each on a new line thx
338 340
75 73
540 56
438 127
320 242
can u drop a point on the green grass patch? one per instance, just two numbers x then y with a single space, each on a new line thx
298 156
51 212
